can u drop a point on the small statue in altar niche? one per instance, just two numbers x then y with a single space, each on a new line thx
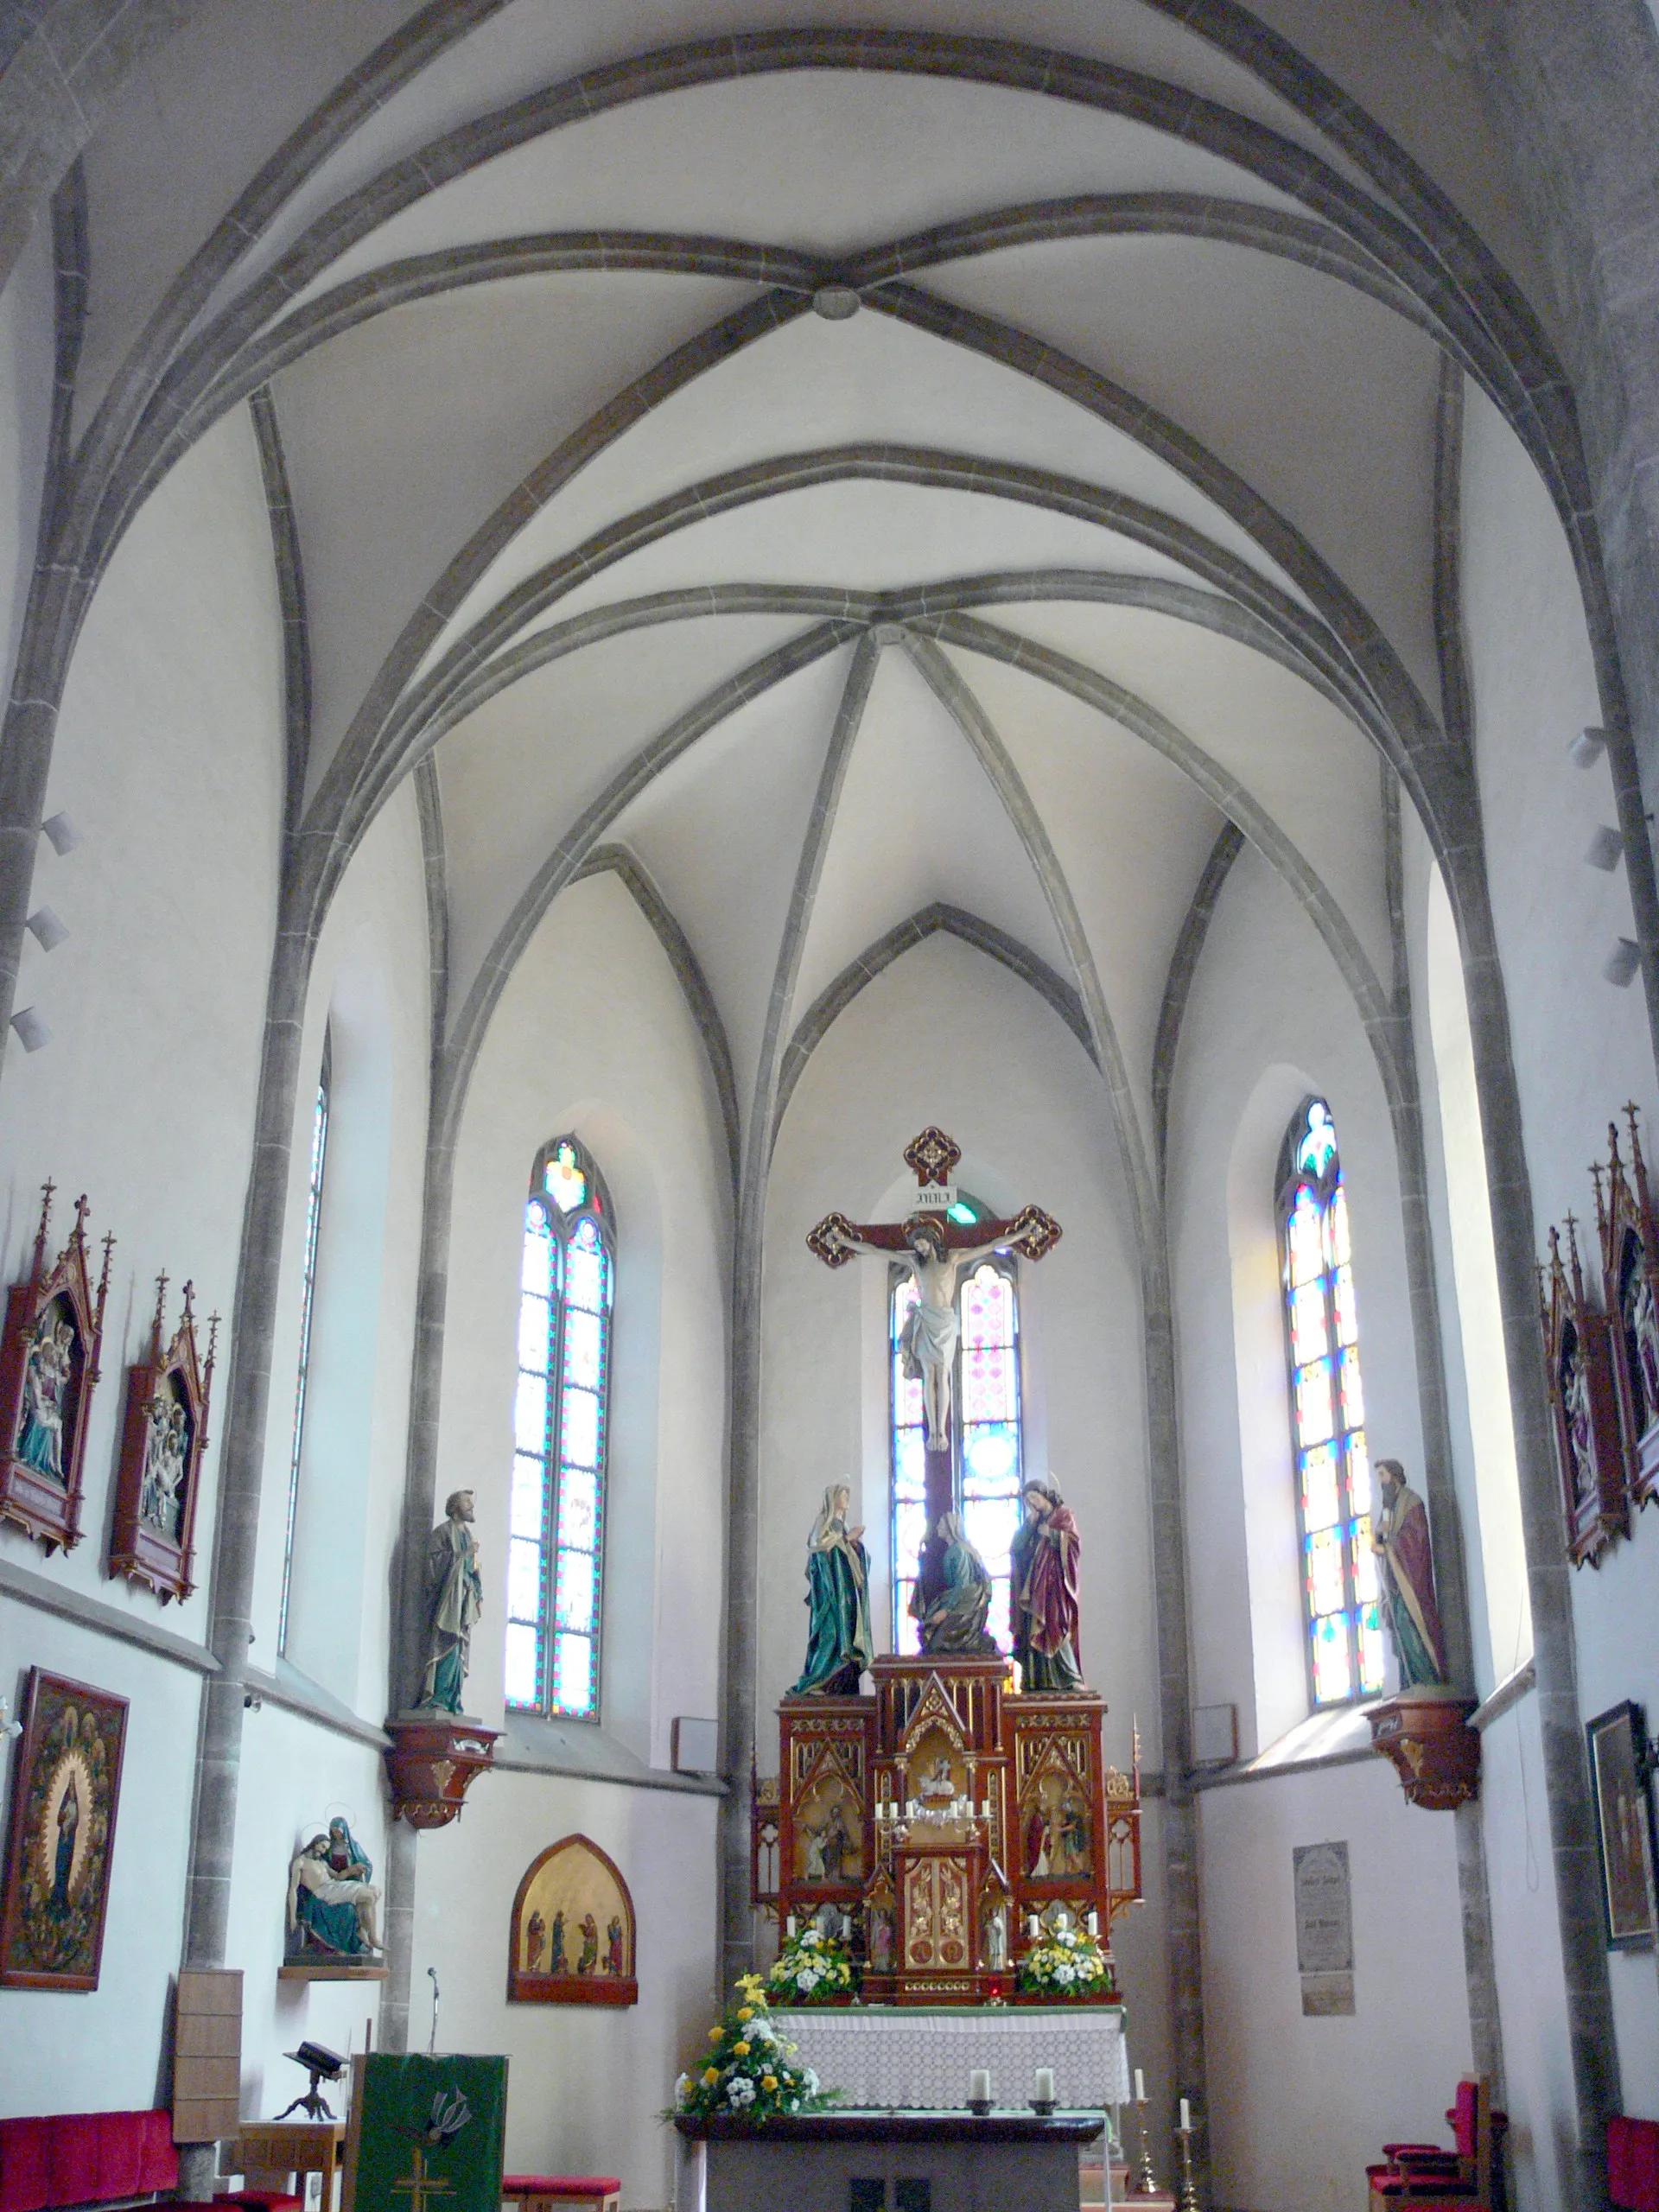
455 1597
829 1846
556 1962
1406 1572
614 1948
535 1938
1043 1558
839 1645
331 1900
1056 1830
955 1621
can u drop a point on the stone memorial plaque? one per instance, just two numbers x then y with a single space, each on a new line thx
1324 1929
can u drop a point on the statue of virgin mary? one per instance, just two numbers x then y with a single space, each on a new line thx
839 1645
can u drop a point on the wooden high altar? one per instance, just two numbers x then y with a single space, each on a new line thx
941 1819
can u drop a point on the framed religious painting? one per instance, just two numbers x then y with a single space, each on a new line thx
1629 1275
162 1440
1589 1450
571 1940
48 1363
66 1785
1620 1764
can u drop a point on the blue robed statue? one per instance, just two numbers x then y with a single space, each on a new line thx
331 1900
839 1645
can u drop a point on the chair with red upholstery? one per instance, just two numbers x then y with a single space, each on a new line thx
85 2158
562 2192
1633 2164
1469 2177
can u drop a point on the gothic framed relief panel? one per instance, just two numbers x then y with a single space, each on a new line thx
1629 1275
571 1940
66 1785
1589 1449
48 1364
162 1440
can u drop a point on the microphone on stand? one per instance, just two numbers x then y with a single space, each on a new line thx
432 2043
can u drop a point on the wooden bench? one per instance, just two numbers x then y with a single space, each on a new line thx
562 2192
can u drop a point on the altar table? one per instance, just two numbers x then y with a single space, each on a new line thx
919 2057
887 2161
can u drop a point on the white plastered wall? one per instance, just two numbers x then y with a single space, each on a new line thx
1021 1098
168 757
370 983
1269 1019
593 1035
1581 1045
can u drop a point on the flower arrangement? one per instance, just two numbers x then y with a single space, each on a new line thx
812 1969
750 2071
1067 1963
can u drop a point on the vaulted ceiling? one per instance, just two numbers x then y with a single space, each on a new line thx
963 469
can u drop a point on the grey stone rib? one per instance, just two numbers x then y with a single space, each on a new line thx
1457 697
429 800
618 860
1168 1511
927 921
739 1704
1232 799
72 279
1183 966
1364 654
574 848
290 594
959 701
382 712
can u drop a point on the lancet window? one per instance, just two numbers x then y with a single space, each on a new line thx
985 1442
555 1545
308 1299
1333 1483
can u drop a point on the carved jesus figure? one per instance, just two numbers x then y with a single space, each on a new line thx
928 1344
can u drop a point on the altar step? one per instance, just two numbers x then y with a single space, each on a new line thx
1091 2188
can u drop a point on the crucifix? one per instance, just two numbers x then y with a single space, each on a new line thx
936 1248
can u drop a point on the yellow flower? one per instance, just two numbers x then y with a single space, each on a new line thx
741 2049
768 2081
746 2011
711 2075
714 2035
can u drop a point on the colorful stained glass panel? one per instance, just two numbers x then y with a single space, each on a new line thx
535 1333
1336 1229
1332 1668
1364 1559
1322 1505
540 1271
573 1592
573 1673
1309 1338
1353 1397
524 1579
564 1180
1313 1422
578 1507
583 1346
579 1427
1306 1244
523 1684
1326 1588
529 1414
1370 1650
1347 1319
527 1506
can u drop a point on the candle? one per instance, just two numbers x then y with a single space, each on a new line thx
1093 1922
1031 1926
1045 2085
1186 2116
979 2086
985 1810
789 1925
1140 2087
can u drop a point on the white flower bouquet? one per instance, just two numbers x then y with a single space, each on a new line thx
812 1969
1066 1965
750 2072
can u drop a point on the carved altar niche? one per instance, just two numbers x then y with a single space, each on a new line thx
1629 1275
824 1845
48 1364
1589 1450
163 1442
571 1940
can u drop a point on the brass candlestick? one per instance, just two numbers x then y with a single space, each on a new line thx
1146 2181
1188 2199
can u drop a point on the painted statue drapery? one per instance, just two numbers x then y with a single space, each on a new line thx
331 1900
1406 1572
455 1597
839 1645
955 1620
1044 1558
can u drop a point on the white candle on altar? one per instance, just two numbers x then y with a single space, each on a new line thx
789 1925
1186 2116
1092 1922
1031 1926
1045 2085
1140 2087
979 2086
985 1810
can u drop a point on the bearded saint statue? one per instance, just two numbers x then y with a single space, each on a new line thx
1406 1572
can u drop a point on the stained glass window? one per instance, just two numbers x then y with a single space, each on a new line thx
986 1451
556 1515
308 1296
1333 1478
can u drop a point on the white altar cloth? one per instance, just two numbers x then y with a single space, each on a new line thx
918 2058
